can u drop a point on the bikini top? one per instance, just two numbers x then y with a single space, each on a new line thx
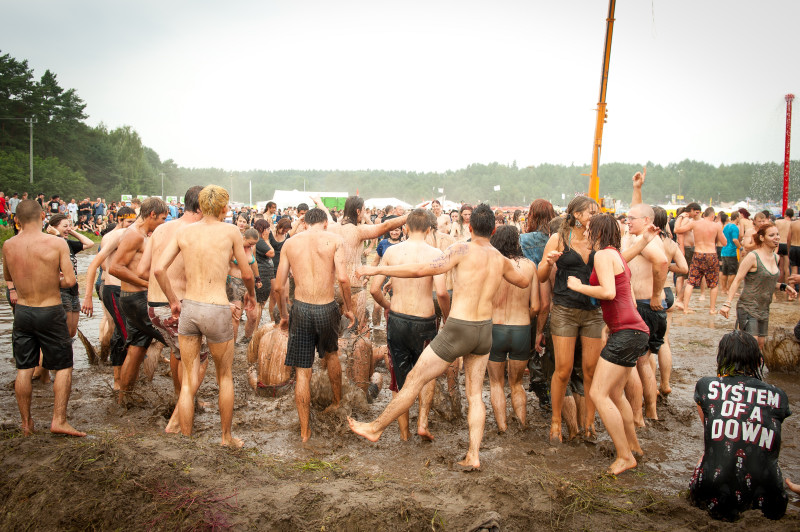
252 260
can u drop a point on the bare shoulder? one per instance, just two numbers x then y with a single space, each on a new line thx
336 237
459 248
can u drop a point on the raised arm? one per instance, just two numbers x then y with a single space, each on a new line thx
685 226
442 264
638 181
85 240
374 231
638 246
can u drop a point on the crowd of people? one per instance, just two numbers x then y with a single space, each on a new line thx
578 300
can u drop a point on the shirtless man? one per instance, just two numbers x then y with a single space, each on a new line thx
442 219
794 248
39 265
158 309
784 227
513 309
411 323
206 247
648 274
686 244
316 257
705 263
110 294
133 289
478 269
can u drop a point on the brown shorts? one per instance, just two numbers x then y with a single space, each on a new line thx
704 265
161 316
688 253
213 321
574 322
461 337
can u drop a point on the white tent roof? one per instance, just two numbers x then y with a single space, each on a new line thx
293 198
380 203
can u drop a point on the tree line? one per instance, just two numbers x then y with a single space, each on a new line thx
73 159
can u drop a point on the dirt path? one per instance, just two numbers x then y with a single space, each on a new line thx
128 474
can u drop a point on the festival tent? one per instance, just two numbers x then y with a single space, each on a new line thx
447 205
380 203
293 198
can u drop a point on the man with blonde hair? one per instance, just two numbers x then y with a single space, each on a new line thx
206 247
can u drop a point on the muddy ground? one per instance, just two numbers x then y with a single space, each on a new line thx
128 474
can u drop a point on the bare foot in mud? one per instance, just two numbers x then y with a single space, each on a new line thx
233 443
174 426
665 391
679 305
621 465
469 466
702 297
688 311
712 311
66 429
203 404
425 434
555 433
331 408
638 422
792 486
363 430
27 428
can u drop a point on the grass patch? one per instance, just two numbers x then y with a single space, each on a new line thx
315 464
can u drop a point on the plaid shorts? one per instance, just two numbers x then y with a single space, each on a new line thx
312 327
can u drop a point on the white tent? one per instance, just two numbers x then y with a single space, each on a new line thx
380 203
293 198
447 205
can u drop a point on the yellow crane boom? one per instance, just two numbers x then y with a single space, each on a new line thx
594 179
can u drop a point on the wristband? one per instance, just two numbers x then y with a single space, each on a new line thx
12 289
783 287
258 279
726 305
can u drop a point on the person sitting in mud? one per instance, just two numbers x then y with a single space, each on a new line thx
158 309
411 323
206 247
40 266
478 270
316 257
742 417
133 289
513 308
111 290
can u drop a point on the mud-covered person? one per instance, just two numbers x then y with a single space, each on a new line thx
705 262
742 418
478 270
133 289
316 257
111 289
411 322
513 309
206 247
39 265
158 309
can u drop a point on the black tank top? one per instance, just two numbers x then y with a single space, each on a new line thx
571 263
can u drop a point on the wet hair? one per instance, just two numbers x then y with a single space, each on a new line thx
269 205
761 234
738 354
679 211
539 215
251 234
506 240
788 214
516 216
465 207
283 224
261 225
153 205
191 199
315 216
709 212
124 212
578 204
734 216
418 221
555 224
57 219
745 213
302 207
351 208
28 210
659 217
110 227
213 200
243 216
432 220
604 231
693 207
723 217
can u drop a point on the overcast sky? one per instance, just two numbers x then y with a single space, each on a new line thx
421 85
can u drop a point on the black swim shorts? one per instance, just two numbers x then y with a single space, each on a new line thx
624 347
656 321
510 342
139 327
42 328
783 249
120 334
312 327
406 336
794 256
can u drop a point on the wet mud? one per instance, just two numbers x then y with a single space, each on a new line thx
129 474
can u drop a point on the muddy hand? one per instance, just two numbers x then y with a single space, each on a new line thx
363 271
351 319
176 309
724 310
88 307
284 324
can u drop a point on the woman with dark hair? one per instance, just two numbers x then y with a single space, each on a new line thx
266 270
277 238
573 314
742 418
610 282
516 220
759 271
511 329
460 229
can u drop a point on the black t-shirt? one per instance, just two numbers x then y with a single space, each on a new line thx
85 209
742 433
74 247
262 248
276 260
53 204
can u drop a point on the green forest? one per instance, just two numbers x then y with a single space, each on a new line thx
75 160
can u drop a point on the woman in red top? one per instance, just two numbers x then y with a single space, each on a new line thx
610 283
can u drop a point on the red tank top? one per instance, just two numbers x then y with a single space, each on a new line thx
620 313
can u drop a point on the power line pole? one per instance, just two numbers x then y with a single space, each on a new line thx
31 121
162 185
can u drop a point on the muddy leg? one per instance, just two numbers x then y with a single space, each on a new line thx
190 364
497 377
302 400
633 392
130 368
569 413
591 354
223 362
474 372
62 385
425 402
519 399
335 375
23 391
564 347
402 422
649 390
607 393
